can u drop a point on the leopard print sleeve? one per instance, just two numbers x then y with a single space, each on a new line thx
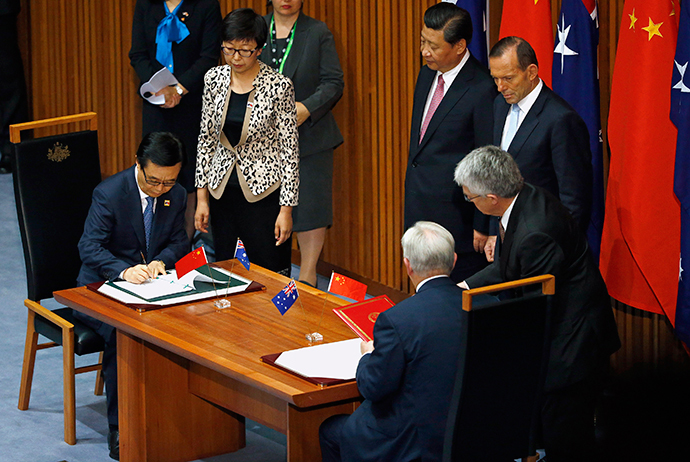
208 133
289 150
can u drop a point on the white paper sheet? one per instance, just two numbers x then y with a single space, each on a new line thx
160 79
337 360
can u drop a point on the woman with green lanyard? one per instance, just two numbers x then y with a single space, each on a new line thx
303 49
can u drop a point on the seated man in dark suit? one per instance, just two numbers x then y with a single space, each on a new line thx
540 236
135 228
407 373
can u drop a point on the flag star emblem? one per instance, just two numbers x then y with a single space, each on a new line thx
561 46
633 20
653 29
680 271
681 85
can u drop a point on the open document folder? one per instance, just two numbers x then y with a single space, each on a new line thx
166 290
325 364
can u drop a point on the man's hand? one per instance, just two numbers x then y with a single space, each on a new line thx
366 347
137 274
489 248
302 113
479 241
156 268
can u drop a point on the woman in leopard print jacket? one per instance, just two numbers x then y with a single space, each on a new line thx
247 171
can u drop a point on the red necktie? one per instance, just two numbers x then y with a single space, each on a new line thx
435 101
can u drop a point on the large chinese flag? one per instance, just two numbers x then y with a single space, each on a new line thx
531 20
640 241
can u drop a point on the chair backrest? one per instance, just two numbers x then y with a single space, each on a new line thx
495 404
54 178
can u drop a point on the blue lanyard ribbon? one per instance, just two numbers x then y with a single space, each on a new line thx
170 29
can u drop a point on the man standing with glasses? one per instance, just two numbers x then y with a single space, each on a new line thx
135 228
452 114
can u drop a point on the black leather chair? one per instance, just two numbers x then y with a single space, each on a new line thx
54 177
495 406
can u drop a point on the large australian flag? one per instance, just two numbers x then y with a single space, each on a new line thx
680 116
576 79
478 13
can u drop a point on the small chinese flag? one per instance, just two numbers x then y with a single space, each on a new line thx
190 262
347 287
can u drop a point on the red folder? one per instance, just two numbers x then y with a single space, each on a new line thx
361 316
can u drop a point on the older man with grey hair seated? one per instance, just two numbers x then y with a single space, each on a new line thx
406 374
539 236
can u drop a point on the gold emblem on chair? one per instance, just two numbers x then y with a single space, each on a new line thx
373 315
58 153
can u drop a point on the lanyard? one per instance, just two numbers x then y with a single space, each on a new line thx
290 40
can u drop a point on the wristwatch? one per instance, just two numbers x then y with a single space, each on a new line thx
179 89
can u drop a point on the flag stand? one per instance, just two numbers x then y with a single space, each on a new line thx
223 303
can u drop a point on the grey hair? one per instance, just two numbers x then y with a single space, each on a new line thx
430 248
489 170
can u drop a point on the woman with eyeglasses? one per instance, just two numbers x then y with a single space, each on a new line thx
247 171
302 48
182 36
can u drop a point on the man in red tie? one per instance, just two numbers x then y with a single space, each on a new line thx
451 115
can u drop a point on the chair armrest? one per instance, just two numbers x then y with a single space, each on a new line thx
16 129
47 314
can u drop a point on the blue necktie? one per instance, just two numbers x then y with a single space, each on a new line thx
148 220
513 119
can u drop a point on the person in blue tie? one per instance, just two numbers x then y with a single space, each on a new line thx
134 230
546 137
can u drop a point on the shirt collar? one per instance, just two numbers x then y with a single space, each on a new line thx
506 215
526 103
419 286
449 76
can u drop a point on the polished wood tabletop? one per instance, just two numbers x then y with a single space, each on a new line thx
224 347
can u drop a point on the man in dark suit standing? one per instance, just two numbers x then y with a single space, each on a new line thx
451 115
541 237
407 375
134 229
546 137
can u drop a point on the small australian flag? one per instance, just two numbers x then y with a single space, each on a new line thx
286 297
241 254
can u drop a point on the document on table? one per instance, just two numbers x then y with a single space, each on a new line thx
168 290
160 79
337 360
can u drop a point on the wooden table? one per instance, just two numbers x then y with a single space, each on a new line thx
188 375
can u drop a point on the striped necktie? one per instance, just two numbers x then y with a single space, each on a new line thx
148 220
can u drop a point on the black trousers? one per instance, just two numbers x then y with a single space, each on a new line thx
329 437
109 335
233 217
567 420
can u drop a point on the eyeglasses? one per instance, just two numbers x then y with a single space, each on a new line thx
227 51
470 199
155 182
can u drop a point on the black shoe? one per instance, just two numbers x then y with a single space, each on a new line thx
114 444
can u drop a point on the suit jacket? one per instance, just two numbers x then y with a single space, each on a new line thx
407 381
113 238
462 122
551 147
267 155
314 69
542 238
